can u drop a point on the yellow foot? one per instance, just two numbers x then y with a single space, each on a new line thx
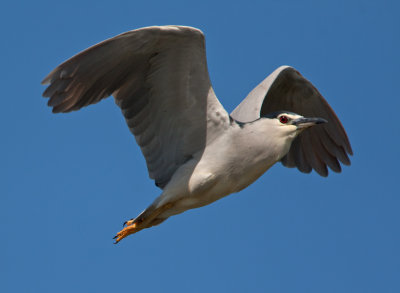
128 230
128 223
145 220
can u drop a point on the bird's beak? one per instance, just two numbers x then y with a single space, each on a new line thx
307 122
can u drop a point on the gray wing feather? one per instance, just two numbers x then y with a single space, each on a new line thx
315 148
159 78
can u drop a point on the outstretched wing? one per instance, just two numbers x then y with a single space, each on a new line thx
158 77
315 148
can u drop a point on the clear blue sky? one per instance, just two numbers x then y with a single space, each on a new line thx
68 182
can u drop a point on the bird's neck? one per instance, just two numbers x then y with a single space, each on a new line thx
266 139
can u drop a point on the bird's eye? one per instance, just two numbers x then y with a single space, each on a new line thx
283 119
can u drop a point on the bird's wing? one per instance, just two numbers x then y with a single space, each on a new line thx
159 78
315 148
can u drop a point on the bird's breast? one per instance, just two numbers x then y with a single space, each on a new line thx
225 168
228 164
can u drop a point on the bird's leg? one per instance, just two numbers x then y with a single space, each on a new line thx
145 220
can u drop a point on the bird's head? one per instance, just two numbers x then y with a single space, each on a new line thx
291 124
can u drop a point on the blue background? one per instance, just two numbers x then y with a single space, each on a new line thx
68 182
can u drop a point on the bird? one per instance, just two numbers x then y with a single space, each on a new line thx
195 151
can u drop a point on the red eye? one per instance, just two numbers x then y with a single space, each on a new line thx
283 119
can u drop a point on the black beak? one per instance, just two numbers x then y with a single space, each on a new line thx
307 122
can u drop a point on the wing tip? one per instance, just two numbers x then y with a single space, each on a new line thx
349 149
46 80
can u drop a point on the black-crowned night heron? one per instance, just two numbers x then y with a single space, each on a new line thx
195 151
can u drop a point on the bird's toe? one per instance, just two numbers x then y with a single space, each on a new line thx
128 230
